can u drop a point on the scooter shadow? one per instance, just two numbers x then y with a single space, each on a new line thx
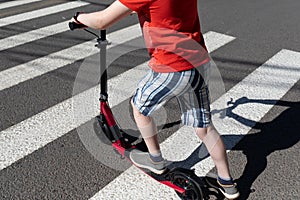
279 134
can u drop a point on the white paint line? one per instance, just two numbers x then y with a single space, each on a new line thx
40 12
269 81
37 67
33 35
16 3
214 40
33 133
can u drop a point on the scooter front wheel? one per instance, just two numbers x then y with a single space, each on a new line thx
104 134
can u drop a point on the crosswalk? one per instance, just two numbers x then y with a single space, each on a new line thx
20 139
40 12
16 3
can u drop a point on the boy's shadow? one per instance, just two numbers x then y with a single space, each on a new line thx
280 133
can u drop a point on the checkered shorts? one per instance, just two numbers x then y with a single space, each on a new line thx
188 87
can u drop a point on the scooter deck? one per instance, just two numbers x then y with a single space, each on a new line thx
208 184
162 178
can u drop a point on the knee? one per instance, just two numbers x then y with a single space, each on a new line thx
138 116
202 133
131 102
134 109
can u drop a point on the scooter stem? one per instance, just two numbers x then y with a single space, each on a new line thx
102 44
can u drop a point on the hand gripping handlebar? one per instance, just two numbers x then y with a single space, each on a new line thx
77 24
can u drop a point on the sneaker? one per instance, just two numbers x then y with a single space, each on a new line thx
143 160
229 191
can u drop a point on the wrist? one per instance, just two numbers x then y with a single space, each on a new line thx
78 17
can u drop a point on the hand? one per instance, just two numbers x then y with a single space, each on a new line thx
75 23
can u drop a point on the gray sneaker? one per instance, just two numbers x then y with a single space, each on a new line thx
143 160
229 191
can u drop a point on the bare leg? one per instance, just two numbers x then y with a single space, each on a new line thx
216 148
147 129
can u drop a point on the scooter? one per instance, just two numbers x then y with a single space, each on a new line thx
185 182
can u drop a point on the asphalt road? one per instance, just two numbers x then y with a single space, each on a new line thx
265 162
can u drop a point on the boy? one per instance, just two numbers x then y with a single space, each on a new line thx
171 30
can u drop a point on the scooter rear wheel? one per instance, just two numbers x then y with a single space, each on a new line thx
192 189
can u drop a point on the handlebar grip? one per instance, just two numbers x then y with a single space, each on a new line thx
103 35
74 25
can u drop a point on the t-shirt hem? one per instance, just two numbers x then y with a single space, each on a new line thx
176 69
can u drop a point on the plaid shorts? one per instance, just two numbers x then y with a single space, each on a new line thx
188 87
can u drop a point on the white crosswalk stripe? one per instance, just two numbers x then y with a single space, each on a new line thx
40 13
30 36
16 3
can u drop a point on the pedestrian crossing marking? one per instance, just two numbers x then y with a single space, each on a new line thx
219 39
21 145
40 13
16 3
33 35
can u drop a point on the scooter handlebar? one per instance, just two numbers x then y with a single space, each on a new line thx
78 25
74 25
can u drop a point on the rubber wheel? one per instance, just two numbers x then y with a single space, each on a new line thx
193 190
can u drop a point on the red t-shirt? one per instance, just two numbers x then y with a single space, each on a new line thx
171 30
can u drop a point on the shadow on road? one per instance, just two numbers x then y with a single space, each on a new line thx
281 133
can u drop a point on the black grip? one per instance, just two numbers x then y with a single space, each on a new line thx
103 35
74 25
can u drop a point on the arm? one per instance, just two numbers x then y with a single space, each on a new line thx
105 18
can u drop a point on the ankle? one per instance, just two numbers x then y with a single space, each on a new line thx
225 181
156 157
